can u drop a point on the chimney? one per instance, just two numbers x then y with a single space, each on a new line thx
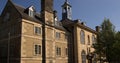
98 28
47 11
83 23
55 13
47 5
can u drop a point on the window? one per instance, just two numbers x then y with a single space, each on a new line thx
37 49
93 39
58 51
57 35
66 51
82 37
83 56
37 30
88 40
31 13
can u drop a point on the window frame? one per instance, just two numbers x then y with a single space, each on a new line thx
93 39
58 51
37 49
31 13
58 35
83 56
82 37
37 30
88 40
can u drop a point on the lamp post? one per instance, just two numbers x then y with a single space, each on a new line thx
90 57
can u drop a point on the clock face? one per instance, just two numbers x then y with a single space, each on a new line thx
7 17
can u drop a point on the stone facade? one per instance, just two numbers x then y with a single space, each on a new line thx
87 47
35 38
28 41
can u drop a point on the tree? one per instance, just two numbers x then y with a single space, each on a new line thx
116 49
105 40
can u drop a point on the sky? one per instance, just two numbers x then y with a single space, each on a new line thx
92 12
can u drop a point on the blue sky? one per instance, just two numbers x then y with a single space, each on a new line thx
92 12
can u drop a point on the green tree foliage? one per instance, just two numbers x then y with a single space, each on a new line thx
105 41
116 49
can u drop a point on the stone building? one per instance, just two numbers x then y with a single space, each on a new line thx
27 36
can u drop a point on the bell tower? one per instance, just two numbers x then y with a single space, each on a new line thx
66 10
47 11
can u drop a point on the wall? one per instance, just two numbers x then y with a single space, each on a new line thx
28 42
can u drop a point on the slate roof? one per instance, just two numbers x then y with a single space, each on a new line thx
69 23
24 14
37 18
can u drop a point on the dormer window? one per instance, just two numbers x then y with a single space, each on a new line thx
31 14
31 11
56 21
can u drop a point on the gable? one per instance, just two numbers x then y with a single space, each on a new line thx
9 12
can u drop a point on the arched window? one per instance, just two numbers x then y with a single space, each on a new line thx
93 39
82 37
83 56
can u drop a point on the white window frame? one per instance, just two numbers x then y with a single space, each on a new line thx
39 49
31 11
39 30
58 51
